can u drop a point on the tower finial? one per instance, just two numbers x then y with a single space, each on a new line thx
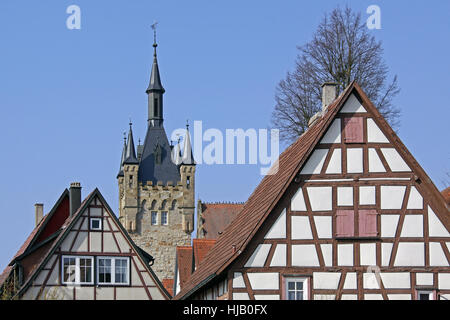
154 37
187 124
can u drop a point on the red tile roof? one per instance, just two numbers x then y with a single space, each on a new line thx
168 284
216 217
185 263
261 202
201 248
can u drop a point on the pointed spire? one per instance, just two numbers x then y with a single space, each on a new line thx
130 154
122 159
187 158
176 154
155 79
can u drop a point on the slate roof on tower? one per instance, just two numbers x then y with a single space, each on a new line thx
267 194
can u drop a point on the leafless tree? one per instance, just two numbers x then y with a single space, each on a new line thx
341 50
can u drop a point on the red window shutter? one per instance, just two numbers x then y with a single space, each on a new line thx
345 226
368 223
353 128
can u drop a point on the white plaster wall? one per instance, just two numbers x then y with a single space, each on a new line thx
373 296
298 201
327 253
349 297
444 281
65 246
81 242
320 198
84 293
399 296
352 105
410 254
394 160
415 200
267 297
238 280
156 294
95 241
375 164
278 229
264 280
109 245
396 280
435 226
259 256
412 226
424 279
392 197
131 293
323 226
304 255
386 249
300 228
351 281
355 160
370 281
374 133
326 280
437 255
324 297
389 225
315 162
240 296
335 164
279 256
95 212
41 277
367 195
368 254
333 134
345 254
105 293
345 196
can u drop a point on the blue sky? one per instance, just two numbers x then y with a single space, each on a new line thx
66 96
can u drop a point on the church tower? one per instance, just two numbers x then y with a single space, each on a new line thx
157 187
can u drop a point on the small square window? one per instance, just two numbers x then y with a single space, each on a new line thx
96 224
296 289
425 295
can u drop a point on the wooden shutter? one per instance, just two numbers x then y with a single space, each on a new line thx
353 130
345 226
368 226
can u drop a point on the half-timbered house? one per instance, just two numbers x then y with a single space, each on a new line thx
347 213
80 251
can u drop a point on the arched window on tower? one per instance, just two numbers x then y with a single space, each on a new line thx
174 204
163 204
153 206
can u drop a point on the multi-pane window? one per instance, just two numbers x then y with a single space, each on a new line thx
77 270
113 270
296 289
164 218
154 218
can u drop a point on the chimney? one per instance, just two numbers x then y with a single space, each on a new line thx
329 94
39 212
75 197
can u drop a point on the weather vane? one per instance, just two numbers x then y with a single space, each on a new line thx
154 31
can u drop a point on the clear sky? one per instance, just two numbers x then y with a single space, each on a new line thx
66 96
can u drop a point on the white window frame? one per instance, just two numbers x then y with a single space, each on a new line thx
100 220
77 270
305 281
113 271
156 218
167 218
